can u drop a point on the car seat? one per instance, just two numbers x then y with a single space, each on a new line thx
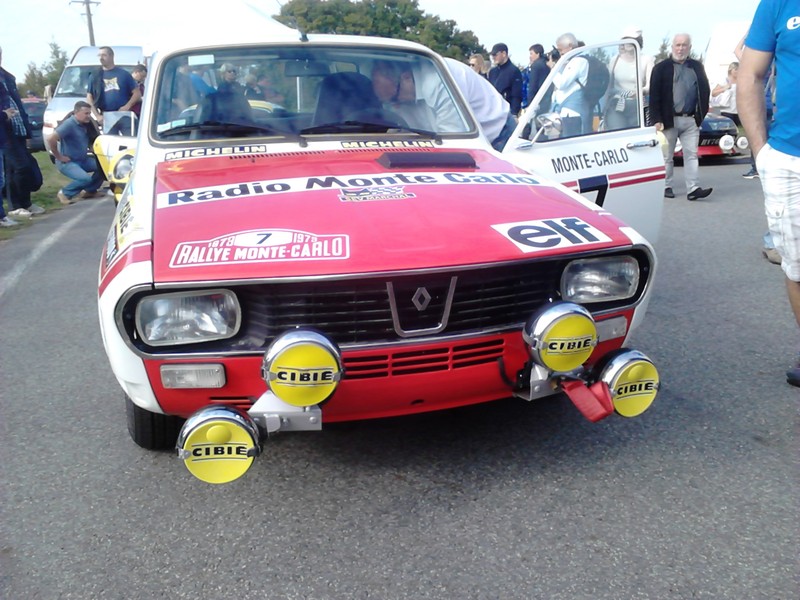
343 96
224 107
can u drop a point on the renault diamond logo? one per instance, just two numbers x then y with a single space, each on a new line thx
421 299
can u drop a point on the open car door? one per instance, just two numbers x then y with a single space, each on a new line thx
592 138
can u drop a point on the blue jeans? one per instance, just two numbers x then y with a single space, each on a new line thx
2 186
85 175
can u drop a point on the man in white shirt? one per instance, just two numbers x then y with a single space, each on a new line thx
489 107
568 97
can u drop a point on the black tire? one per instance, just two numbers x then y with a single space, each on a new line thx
151 431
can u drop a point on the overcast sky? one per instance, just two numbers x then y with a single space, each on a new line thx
28 26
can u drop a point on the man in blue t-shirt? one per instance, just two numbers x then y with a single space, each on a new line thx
111 88
69 144
775 32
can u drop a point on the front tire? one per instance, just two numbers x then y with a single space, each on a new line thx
151 431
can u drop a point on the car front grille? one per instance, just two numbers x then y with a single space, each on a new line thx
360 311
387 310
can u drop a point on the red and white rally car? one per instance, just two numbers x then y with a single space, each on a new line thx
336 257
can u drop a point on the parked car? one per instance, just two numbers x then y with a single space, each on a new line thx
35 109
272 271
719 136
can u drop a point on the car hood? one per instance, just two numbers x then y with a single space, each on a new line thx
357 211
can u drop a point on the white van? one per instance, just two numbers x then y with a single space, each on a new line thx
72 85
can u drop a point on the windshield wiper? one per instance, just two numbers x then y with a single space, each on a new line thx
218 126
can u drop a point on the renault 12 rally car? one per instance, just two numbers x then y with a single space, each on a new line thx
351 256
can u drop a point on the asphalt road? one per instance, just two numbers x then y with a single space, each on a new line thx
697 498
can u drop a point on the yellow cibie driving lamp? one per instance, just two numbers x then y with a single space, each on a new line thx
632 379
561 336
218 444
302 367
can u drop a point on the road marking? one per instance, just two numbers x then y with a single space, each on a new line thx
11 278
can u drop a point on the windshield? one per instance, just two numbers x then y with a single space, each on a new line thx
74 81
299 91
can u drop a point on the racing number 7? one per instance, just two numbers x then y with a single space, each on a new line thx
598 183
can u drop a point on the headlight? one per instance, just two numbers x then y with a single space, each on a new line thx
600 279
123 168
188 317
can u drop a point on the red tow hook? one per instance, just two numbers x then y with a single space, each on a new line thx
593 401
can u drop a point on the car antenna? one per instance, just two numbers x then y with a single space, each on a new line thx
294 24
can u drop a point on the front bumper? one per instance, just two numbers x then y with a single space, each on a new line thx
306 382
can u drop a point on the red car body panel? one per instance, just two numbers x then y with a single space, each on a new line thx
444 219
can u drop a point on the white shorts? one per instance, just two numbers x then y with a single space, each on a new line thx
780 179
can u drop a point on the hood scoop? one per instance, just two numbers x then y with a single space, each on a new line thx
427 160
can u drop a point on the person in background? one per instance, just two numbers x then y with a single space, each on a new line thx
478 64
228 84
5 221
774 34
646 64
111 88
622 101
506 78
679 95
139 74
16 131
252 91
534 74
569 100
69 144
197 75
723 95
270 93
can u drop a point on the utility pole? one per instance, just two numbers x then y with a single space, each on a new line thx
88 5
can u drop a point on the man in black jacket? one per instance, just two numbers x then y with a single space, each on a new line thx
679 93
506 78
20 178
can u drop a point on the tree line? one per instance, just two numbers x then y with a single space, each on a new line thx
397 19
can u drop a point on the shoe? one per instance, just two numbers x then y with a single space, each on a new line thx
62 198
751 174
35 209
668 193
793 375
6 222
21 212
771 255
87 194
698 193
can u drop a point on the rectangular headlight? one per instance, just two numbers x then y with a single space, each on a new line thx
188 317
603 279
